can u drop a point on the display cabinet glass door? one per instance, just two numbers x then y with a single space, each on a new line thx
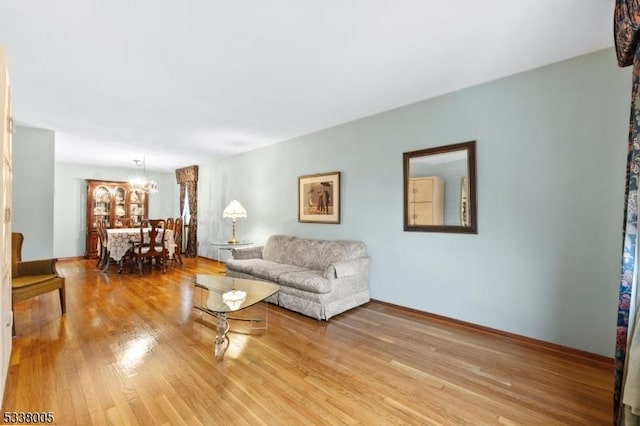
136 207
101 205
120 212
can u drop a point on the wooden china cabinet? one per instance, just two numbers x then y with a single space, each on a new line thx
117 203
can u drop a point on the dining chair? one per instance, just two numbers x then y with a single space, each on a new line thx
32 278
105 255
177 240
100 227
169 223
151 245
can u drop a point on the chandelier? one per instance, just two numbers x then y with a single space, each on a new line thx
140 182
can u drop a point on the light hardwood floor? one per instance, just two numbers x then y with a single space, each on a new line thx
132 350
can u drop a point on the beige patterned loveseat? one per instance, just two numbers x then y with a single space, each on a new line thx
318 278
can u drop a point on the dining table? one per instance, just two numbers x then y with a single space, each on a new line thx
121 239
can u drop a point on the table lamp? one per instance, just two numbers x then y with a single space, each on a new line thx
234 210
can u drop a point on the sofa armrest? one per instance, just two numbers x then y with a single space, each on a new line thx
247 253
37 267
348 268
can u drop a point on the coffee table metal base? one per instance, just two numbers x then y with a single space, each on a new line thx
220 296
222 341
223 327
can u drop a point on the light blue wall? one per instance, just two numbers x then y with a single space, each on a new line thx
32 195
551 147
71 202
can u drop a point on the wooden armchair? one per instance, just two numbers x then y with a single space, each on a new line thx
32 278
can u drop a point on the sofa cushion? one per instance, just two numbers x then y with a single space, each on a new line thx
308 280
242 265
272 270
275 249
247 253
261 268
318 254
27 280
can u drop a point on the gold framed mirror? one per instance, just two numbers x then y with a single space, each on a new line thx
440 189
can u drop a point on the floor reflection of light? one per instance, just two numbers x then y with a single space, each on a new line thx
134 353
237 342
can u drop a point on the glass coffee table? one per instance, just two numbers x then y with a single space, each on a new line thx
219 296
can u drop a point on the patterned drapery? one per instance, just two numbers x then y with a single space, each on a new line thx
187 177
187 174
626 32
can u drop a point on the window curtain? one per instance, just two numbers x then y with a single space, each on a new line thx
187 178
627 367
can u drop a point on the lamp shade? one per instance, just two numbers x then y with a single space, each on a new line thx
234 210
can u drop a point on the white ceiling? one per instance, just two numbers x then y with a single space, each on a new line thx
185 82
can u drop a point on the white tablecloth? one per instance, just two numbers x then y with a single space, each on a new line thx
120 241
